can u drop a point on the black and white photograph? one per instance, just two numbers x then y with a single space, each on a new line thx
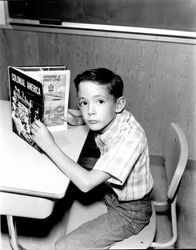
97 124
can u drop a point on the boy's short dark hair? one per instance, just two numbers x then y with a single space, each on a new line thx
102 76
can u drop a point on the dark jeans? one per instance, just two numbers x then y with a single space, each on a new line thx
122 220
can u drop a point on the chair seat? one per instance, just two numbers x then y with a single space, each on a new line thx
80 213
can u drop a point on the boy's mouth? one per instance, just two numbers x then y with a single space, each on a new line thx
92 121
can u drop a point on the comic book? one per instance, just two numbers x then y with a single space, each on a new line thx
38 93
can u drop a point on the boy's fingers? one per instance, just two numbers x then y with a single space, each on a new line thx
70 113
63 119
70 120
38 123
34 128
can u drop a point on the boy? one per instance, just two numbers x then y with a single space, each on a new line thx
123 164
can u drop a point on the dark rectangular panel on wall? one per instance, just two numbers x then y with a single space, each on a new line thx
160 14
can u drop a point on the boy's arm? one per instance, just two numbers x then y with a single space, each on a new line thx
85 180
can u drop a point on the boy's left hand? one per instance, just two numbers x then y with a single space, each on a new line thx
41 135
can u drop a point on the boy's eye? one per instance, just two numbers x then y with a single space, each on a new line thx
82 103
101 101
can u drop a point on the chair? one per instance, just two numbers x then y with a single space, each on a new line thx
175 158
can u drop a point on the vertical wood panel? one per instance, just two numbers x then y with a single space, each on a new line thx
4 54
16 48
187 209
23 48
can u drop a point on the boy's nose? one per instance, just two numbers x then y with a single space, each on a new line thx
91 109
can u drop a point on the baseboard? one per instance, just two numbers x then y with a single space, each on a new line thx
191 165
159 160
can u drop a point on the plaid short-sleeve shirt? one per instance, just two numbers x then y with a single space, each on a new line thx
125 156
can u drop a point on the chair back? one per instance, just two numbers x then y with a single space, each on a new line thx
175 155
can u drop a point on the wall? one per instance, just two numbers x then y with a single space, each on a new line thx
159 76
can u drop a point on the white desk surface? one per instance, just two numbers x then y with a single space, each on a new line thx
24 170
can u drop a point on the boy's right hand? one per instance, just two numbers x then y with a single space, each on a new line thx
41 135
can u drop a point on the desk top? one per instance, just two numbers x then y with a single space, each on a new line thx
24 170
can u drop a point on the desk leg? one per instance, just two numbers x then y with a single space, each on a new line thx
13 234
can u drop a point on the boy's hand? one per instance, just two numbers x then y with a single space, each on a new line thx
41 135
73 120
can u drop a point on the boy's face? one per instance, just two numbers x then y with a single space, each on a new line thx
96 105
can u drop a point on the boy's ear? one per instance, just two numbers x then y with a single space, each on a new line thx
120 104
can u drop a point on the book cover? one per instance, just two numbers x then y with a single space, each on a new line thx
38 93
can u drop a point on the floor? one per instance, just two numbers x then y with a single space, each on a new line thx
41 234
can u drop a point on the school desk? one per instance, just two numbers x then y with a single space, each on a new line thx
29 181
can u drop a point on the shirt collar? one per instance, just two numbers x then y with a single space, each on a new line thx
112 131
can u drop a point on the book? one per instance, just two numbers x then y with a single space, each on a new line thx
38 93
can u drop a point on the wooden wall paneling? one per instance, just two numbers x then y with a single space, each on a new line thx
17 48
4 54
159 77
49 49
187 209
180 94
23 47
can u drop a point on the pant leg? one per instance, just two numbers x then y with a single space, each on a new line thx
121 221
99 233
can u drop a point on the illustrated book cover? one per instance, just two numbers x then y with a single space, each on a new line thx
38 93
